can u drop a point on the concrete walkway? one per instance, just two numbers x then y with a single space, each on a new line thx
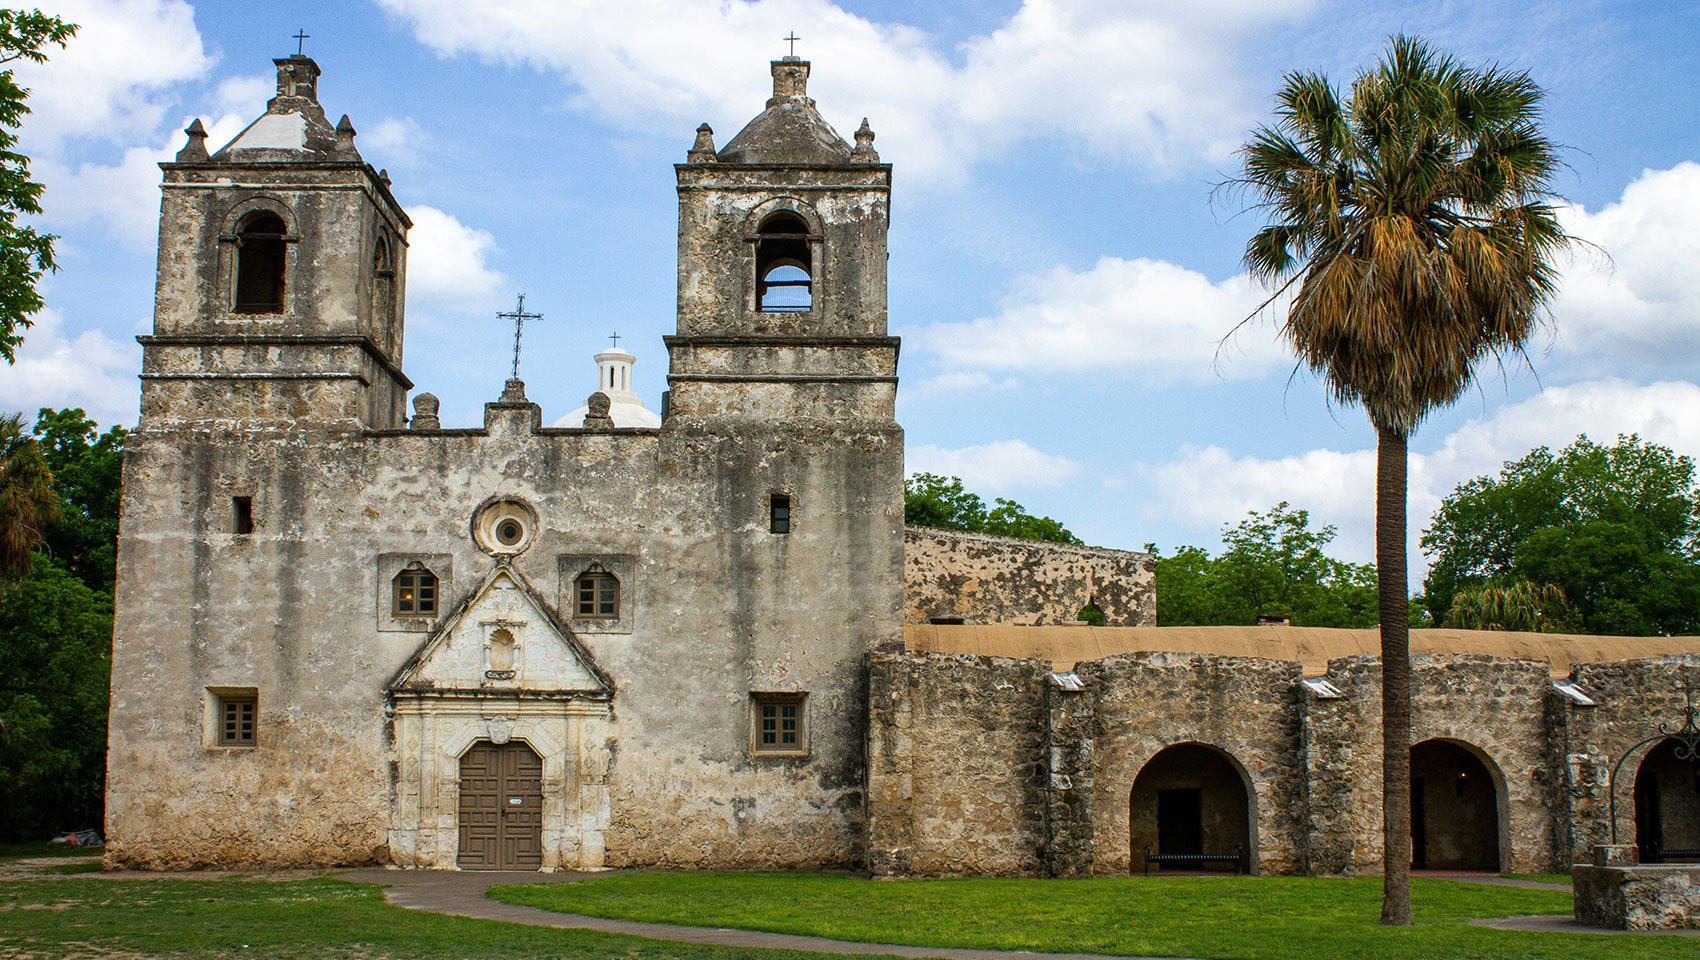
464 893
1489 879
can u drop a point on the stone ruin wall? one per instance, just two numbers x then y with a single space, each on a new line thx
986 579
994 766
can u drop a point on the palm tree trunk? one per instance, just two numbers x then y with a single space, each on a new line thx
1391 487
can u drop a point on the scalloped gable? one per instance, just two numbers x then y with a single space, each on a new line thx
504 640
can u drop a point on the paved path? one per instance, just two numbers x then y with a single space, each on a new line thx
1561 924
1491 880
463 893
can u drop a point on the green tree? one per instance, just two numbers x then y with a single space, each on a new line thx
28 502
1415 221
87 472
1521 606
24 252
55 664
1615 528
930 500
1273 565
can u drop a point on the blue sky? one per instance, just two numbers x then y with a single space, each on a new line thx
1059 273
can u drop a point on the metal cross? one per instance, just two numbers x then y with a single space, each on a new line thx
301 37
792 40
519 317
615 336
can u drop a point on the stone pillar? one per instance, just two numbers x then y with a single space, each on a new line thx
1327 732
1580 801
1068 787
891 765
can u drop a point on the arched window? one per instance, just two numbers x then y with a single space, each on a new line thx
596 594
383 283
260 253
784 266
415 591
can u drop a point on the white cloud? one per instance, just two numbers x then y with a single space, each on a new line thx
1141 316
392 140
1155 82
996 466
1641 310
124 195
446 260
108 81
1207 486
91 371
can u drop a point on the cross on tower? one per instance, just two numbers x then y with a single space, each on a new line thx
519 317
792 40
615 336
301 37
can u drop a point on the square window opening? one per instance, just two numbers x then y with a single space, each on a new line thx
779 724
235 717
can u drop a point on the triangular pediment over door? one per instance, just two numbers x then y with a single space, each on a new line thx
503 639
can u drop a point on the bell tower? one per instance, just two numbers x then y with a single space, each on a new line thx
282 268
782 269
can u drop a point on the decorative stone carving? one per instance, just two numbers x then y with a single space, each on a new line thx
596 412
425 413
500 729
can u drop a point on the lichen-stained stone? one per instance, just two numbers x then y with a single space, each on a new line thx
1663 897
976 578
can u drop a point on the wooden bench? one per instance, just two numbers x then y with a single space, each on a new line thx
1194 859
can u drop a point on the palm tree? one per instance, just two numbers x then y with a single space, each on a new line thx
1521 605
1414 221
27 499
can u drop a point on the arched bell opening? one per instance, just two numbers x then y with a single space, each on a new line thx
1192 800
1457 808
1667 806
784 265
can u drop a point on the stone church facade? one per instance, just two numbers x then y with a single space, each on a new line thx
345 635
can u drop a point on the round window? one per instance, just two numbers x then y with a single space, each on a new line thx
504 525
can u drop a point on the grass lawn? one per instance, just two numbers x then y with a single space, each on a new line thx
321 919
21 851
1563 878
1281 918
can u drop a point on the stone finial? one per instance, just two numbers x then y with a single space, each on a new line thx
297 76
790 80
425 413
596 412
513 392
703 150
196 148
345 138
865 143
384 177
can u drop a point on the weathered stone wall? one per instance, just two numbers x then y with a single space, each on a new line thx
1239 707
1494 708
956 765
1638 898
985 579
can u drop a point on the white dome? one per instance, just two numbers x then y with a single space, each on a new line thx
614 378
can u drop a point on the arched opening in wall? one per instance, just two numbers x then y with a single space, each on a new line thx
1455 808
501 807
260 257
784 265
1192 800
383 286
1667 806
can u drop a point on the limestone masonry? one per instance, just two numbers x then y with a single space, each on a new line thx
701 636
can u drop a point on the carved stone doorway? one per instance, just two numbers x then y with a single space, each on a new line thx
501 807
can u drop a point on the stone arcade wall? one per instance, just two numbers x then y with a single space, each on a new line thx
985 579
995 766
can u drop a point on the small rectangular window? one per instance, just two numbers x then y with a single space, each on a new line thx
415 592
598 595
779 514
236 717
779 723
242 515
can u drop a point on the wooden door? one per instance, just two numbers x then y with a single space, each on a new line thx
501 808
